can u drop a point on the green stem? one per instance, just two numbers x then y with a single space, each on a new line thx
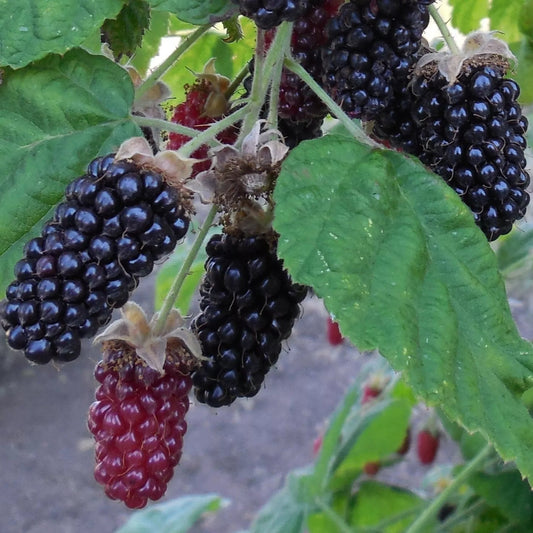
445 32
237 81
170 60
263 75
164 125
273 104
330 513
208 136
335 109
422 523
170 299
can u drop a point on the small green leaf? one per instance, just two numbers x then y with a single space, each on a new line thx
175 516
48 136
286 511
506 491
333 521
197 11
376 503
31 29
124 33
467 15
399 261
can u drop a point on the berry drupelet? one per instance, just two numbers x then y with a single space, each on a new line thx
268 14
372 46
138 422
248 307
472 133
115 221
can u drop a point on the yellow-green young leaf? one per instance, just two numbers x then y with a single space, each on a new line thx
31 29
376 503
55 116
467 14
399 261
197 11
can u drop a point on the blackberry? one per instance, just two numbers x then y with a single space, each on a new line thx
72 277
268 14
248 307
297 102
294 132
138 422
473 135
371 45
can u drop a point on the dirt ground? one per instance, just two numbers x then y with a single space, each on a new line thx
242 452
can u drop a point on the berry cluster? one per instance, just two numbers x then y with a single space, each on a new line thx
471 133
193 114
268 14
138 422
248 307
372 46
115 221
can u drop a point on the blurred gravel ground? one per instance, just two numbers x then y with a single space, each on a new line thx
242 452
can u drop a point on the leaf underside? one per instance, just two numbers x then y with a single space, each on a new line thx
400 264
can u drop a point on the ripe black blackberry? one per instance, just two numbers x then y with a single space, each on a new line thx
115 221
371 48
473 135
248 307
297 102
268 14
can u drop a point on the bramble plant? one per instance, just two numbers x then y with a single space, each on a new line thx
403 161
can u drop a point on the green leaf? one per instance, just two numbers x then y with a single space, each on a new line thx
523 51
31 29
504 16
47 137
467 14
376 503
151 42
380 431
507 492
286 511
525 22
399 262
124 33
331 522
197 11
175 516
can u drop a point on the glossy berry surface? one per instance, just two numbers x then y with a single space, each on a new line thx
192 113
248 307
371 48
73 276
473 135
268 14
138 422
297 102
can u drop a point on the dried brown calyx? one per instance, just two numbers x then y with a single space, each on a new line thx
131 340
479 48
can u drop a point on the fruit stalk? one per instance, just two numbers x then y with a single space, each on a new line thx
422 523
443 28
335 109
173 293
